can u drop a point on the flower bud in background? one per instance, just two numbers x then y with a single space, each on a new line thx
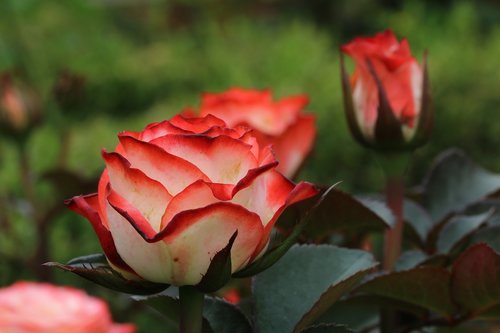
387 99
20 107
29 307
176 194
69 90
280 123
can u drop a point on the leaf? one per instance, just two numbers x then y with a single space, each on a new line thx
219 271
314 276
225 317
490 236
418 219
327 328
427 287
96 269
166 305
410 259
475 279
458 228
358 313
456 182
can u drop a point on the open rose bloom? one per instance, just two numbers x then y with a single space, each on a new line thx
173 195
387 99
280 123
29 307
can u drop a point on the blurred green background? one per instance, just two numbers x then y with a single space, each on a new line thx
144 61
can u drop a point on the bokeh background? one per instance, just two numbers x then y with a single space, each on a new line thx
96 67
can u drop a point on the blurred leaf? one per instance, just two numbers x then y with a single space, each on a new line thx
475 279
490 236
428 287
167 306
327 328
418 219
96 269
225 317
410 259
458 228
455 182
341 211
219 271
314 276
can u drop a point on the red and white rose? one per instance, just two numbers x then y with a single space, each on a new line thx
173 195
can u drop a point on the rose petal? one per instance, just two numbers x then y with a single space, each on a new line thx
293 146
195 236
142 192
173 172
152 262
88 206
223 159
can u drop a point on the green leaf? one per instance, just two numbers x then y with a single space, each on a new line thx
416 217
327 328
304 283
219 271
96 269
490 236
410 259
358 313
475 279
167 306
458 228
225 317
427 287
456 182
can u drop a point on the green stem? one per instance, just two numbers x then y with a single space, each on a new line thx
191 309
394 193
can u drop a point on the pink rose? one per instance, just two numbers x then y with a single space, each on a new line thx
29 307
400 82
173 195
280 123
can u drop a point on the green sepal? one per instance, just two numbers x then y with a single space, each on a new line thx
95 268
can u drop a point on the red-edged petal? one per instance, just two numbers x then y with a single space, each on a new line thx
223 159
294 145
268 196
195 236
197 125
152 262
88 207
173 172
142 192
102 196
156 130
197 195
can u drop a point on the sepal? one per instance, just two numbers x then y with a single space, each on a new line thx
95 268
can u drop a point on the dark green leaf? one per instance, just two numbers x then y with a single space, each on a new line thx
410 259
490 236
358 313
96 269
456 182
225 317
304 283
458 228
219 271
427 287
418 218
166 305
475 279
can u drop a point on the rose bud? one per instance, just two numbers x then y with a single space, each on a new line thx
19 106
29 307
387 99
280 123
176 194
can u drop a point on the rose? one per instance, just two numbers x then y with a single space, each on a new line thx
387 100
173 195
280 123
29 307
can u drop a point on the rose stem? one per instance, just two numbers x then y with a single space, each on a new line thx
191 309
394 193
